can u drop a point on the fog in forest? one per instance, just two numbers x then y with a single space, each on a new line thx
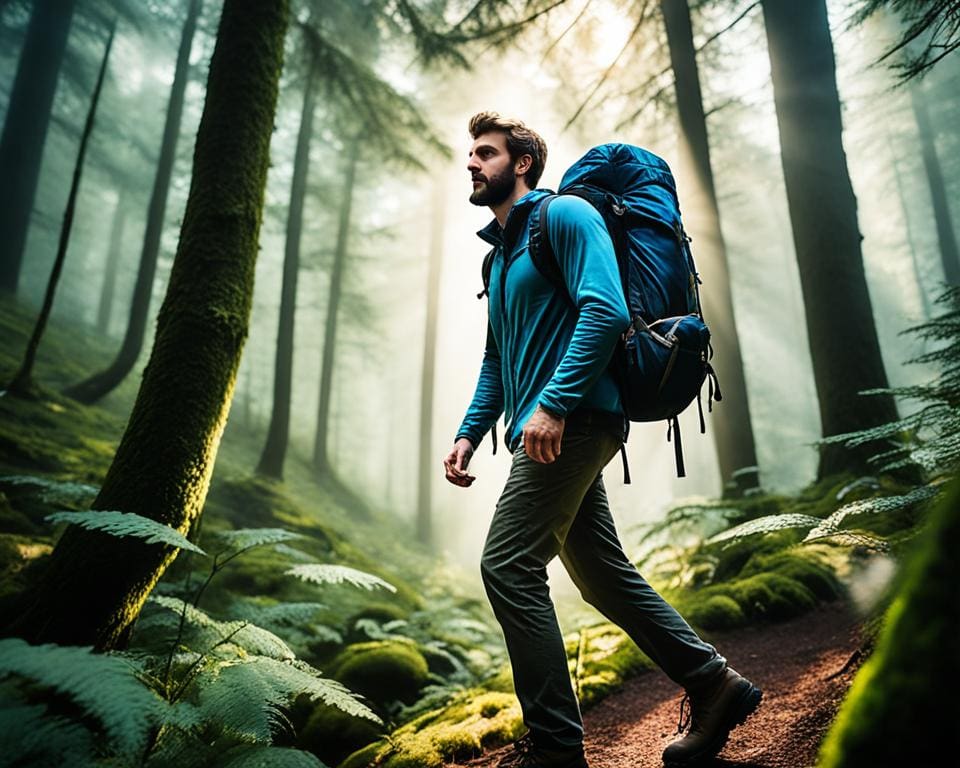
585 59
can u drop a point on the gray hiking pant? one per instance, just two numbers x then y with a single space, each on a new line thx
561 508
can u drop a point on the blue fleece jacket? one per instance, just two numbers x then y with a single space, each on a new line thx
540 349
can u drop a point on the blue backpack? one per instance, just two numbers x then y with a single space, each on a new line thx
663 358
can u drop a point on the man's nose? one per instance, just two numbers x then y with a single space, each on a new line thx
473 165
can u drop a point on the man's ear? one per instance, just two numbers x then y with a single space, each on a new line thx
523 164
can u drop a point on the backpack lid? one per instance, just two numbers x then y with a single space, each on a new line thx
640 179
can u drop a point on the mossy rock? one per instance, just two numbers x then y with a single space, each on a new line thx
609 658
715 612
383 670
768 596
733 557
332 734
807 569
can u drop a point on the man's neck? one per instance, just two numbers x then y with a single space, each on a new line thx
502 210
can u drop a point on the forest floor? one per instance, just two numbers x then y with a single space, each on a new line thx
804 667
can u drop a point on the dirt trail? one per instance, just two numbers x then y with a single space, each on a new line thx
798 664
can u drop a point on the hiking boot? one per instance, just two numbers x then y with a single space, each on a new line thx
527 755
714 712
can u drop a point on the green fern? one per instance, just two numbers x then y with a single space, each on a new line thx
875 506
318 573
762 525
64 492
30 735
105 686
123 524
247 538
246 697
279 615
260 756
209 633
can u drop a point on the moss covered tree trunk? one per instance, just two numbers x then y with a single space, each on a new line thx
278 435
321 459
426 468
843 340
732 429
95 585
901 708
103 382
25 129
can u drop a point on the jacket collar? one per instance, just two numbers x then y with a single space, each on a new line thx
519 213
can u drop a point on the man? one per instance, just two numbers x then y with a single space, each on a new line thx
545 367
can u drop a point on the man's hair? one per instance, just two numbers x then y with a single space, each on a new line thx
520 141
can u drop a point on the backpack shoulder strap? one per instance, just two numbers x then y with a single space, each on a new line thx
541 250
485 271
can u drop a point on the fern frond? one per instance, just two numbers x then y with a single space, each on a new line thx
124 524
318 573
104 686
29 735
248 538
293 553
261 756
55 491
248 636
765 524
883 505
244 697
279 615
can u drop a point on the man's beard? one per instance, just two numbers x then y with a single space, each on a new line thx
495 190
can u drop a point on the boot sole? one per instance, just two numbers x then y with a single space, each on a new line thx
746 705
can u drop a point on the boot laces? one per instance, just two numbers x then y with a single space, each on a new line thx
681 723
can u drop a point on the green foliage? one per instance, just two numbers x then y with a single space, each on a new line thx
205 632
242 539
260 756
106 687
333 734
934 22
602 658
317 573
716 612
383 671
123 524
907 685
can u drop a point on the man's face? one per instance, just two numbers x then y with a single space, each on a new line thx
491 169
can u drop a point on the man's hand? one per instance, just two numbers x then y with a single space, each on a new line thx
455 465
541 436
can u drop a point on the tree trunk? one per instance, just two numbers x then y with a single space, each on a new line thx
946 236
100 384
275 450
733 433
321 459
823 211
25 129
22 383
908 231
95 584
105 309
426 464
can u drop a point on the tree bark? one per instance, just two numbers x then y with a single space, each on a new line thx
732 429
105 308
22 383
946 236
278 435
25 129
321 459
95 584
100 384
426 463
823 211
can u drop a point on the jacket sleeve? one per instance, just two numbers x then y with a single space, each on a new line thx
487 404
588 263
